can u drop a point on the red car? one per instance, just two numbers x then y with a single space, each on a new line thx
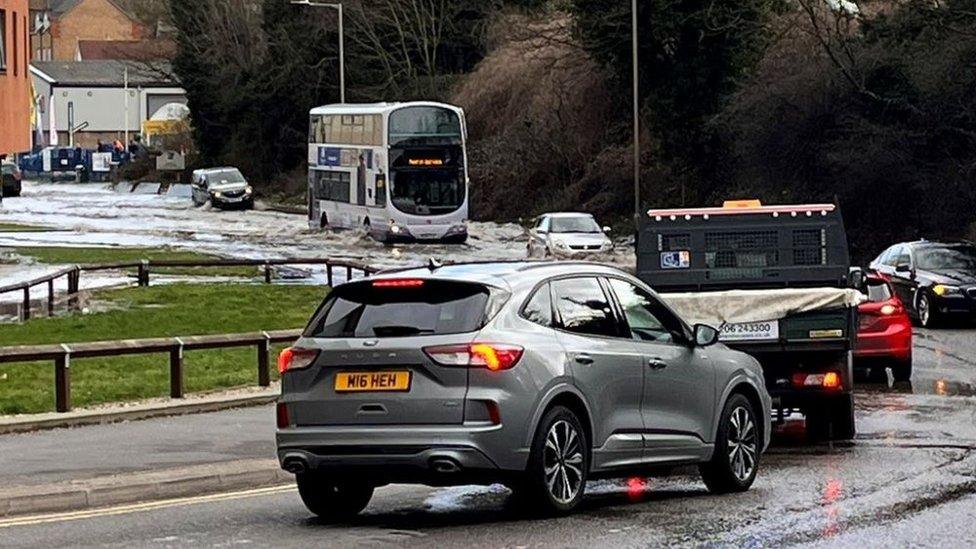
884 335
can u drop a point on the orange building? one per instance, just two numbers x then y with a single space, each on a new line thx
15 100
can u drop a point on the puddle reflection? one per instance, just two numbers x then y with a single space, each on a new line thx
940 386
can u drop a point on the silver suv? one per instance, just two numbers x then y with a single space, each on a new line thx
537 375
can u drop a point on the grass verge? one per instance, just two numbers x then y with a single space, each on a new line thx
157 311
70 256
20 228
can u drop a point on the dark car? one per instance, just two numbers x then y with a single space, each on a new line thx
11 179
222 188
934 280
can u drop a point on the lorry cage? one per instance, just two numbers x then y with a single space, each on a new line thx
743 245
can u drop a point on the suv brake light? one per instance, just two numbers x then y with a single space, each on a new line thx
295 358
399 283
494 356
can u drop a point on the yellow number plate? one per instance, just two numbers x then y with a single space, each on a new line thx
350 382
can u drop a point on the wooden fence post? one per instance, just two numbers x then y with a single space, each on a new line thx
50 297
62 381
328 272
25 310
144 273
264 369
176 370
74 278
267 273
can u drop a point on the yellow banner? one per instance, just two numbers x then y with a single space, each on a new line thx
162 127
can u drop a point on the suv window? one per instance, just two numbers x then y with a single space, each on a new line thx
647 319
543 225
539 308
583 307
432 307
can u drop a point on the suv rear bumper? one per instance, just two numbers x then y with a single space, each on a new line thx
430 454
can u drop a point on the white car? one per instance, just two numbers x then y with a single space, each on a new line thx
567 234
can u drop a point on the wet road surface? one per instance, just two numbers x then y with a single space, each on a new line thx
908 479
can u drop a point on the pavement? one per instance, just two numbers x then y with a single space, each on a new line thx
129 411
98 465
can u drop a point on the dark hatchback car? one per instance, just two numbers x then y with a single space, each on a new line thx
935 281
11 177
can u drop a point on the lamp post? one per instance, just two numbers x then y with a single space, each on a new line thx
342 52
637 206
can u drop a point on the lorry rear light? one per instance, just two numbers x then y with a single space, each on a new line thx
295 358
494 356
826 380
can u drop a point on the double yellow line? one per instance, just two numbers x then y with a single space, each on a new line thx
139 507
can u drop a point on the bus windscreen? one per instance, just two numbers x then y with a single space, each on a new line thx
420 126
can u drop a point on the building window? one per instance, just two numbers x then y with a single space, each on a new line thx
3 40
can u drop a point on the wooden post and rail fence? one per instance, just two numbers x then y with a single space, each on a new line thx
145 268
62 354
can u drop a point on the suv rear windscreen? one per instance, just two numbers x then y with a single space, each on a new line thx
400 308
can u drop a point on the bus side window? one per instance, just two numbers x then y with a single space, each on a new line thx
332 186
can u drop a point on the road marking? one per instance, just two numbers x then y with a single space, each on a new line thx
139 507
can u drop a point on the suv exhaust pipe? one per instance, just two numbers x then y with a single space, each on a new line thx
444 465
295 465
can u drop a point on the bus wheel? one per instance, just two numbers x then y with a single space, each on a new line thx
324 222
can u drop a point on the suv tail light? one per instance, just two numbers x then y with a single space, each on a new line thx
494 356
826 380
295 358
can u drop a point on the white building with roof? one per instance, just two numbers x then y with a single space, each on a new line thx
96 93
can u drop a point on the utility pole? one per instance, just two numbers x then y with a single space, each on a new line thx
636 92
125 87
342 39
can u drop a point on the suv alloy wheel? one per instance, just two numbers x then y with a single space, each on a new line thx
736 457
555 479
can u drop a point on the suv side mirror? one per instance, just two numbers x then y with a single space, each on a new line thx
606 229
857 278
705 335
903 268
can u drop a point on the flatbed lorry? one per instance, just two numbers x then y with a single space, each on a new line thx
776 281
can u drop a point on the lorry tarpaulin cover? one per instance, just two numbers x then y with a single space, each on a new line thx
734 306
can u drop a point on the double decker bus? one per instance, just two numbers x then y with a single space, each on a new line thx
397 170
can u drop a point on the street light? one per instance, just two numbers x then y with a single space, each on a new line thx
637 207
342 50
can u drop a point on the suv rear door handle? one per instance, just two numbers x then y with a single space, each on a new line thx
656 363
583 358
